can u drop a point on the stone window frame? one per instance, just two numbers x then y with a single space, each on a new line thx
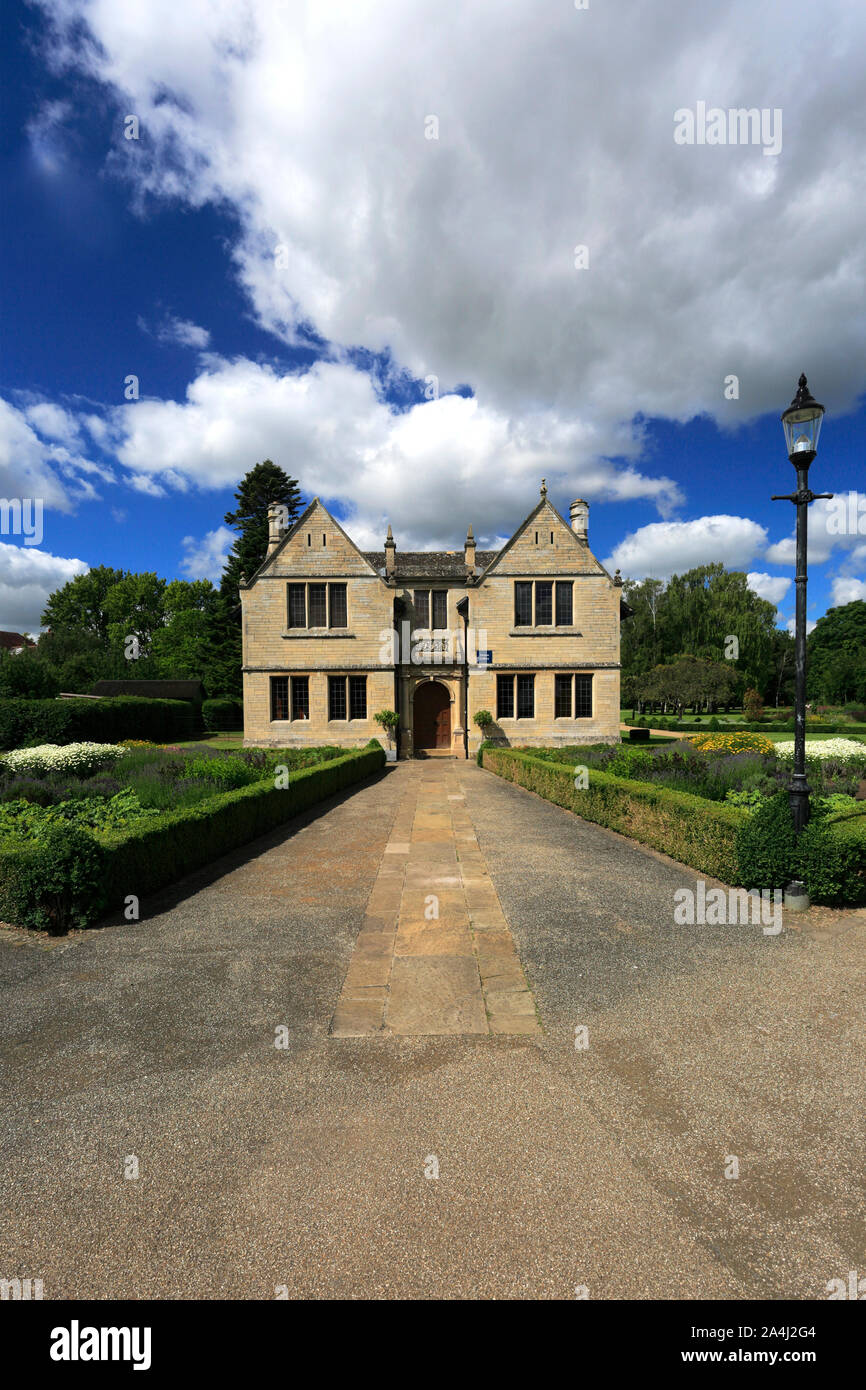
288 703
347 679
306 585
513 678
557 587
573 677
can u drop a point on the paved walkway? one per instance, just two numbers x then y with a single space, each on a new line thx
434 952
273 1155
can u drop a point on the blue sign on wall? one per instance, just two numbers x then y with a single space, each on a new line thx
483 658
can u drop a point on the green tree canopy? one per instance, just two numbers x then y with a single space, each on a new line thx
263 486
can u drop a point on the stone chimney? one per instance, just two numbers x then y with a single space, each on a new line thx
579 513
275 512
390 554
469 550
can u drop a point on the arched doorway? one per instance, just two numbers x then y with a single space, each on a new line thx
432 721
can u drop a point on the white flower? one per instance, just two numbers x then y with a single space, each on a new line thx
74 759
825 748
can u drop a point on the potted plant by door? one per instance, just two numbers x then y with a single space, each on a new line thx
388 719
484 719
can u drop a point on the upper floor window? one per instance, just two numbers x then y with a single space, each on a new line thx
439 616
317 605
541 603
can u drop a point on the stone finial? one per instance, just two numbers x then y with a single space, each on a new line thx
275 527
469 550
543 488
390 552
617 578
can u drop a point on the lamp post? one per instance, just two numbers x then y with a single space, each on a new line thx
802 425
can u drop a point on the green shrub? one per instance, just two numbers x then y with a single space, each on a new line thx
29 722
833 865
146 856
55 882
222 712
766 846
714 724
225 773
479 756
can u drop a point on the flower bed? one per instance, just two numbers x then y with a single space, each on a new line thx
67 876
74 759
825 749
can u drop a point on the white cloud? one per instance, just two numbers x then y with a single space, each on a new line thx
27 578
833 524
205 558
847 590
458 252
53 422
329 427
664 548
176 330
26 461
772 587
791 625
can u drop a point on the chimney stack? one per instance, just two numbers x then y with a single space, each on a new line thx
390 554
275 512
469 550
579 512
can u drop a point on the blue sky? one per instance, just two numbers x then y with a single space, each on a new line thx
294 262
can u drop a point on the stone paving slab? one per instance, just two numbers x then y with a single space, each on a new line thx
451 966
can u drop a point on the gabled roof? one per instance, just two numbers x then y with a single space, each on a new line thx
11 641
541 504
429 564
293 531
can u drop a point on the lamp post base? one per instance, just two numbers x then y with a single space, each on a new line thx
796 899
798 800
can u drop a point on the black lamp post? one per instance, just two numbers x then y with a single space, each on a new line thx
802 425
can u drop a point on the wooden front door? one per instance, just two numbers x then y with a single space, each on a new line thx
432 727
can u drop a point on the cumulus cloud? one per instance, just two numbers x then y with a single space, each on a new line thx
27 578
846 590
205 558
552 130
329 427
791 625
664 548
772 587
176 330
53 422
26 461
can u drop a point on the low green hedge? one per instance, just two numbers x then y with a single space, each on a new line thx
145 858
24 722
696 832
719 840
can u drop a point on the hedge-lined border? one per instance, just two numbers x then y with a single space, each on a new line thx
690 829
702 834
143 859
24 722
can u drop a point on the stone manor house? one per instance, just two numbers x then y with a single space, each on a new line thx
333 634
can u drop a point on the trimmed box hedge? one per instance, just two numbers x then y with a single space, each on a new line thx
709 836
700 833
24 722
142 859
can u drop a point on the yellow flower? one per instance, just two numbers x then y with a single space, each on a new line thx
739 742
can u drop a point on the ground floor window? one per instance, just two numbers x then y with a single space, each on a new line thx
347 697
515 697
300 697
290 693
572 697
